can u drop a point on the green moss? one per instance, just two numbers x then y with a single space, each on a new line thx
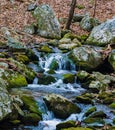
90 110
45 48
31 118
15 122
30 104
80 6
68 78
84 99
66 124
77 128
114 120
51 72
16 80
70 35
54 65
112 105
90 120
22 58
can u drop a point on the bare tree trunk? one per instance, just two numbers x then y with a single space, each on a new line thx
95 5
71 13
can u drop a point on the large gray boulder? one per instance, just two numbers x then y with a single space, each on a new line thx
86 57
103 34
5 102
47 24
61 107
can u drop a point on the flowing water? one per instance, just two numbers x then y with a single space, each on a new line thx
69 90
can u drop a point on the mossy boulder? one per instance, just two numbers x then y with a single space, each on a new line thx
30 104
90 111
68 78
47 24
31 118
112 105
86 57
61 107
84 98
111 59
98 114
46 79
66 124
77 128
54 64
114 120
102 34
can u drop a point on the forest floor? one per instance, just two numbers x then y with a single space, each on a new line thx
14 14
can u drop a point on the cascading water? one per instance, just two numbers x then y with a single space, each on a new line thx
68 90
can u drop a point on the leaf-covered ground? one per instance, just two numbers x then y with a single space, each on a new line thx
14 14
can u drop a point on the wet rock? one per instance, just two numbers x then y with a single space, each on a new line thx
45 79
47 24
103 34
66 124
31 118
61 107
54 65
114 120
87 23
98 114
90 111
30 104
84 98
111 59
46 49
68 78
77 128
86 57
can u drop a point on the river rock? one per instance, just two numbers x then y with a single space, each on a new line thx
86 57
47 24
77 128
111 59
61 107
68 78
87 23
103 34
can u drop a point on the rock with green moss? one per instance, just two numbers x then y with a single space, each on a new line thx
102 34
86 57
84 98
66 124
112 105
54 64
45 79
30 29
70 46
51 72
87 23
98 114
46 49
64 41
47 24
114 120
61 107
30 104
68 78
90 111
22 58
82 75
111 59
70 35
77 128
31 118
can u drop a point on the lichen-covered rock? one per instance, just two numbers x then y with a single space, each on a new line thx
103 34
86 57
61 107
87 23
5 101
111 59
47 23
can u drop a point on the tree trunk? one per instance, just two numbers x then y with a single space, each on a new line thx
71 13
